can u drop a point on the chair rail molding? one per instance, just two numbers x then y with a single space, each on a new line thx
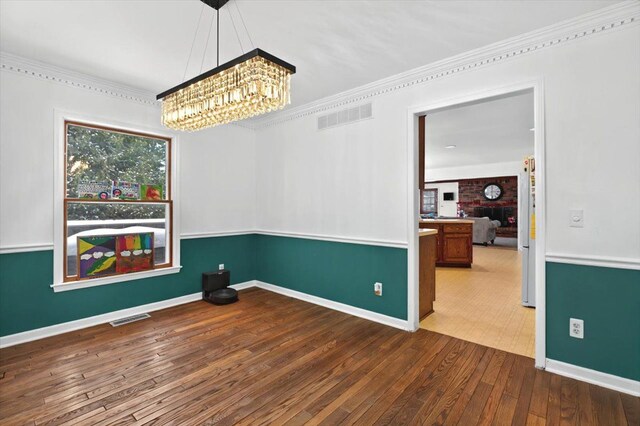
594 260
24 248
213 234
337 239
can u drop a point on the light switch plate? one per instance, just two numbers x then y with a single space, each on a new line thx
377 289
576 218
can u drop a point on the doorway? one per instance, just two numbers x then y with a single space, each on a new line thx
483 301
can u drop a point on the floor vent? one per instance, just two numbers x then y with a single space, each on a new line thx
127 320
345 116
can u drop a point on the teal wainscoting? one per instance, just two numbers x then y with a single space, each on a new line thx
27 302
608 300
341 272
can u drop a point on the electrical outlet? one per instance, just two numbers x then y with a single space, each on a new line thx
377 289
576 328
221 266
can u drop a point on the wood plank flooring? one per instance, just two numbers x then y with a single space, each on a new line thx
269 359
482 304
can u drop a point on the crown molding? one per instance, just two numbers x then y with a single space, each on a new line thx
603 20
600 21
40 70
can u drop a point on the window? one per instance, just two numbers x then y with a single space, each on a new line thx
429 203
116 183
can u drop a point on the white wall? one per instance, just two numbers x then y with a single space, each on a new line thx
446 208
218 181
344 181
216 167
351 181
511 168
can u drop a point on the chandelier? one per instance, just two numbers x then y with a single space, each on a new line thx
252 84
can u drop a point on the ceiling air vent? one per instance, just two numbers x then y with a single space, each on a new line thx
348 115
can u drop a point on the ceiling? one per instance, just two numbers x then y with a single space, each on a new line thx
336 45
490 131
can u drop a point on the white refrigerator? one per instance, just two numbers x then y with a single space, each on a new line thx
528 230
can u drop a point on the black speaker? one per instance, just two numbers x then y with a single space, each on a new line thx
215 288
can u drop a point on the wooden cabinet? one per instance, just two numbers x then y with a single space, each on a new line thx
454 242
427 273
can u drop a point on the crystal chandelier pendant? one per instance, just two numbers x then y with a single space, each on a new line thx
252 84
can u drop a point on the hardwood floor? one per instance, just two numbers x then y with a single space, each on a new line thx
483 304
269 359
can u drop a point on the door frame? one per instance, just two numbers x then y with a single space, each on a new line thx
413 208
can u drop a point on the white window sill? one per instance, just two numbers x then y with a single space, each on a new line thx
74 285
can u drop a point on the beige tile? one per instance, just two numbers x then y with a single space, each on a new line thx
482 304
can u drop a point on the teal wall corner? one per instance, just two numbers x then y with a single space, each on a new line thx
27 302
608 300
341 272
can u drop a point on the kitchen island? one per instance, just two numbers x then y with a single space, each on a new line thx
454 241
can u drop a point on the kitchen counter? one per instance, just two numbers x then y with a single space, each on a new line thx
427 247
454 240
446 221
423 232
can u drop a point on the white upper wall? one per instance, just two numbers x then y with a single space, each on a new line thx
218 181
216 167
509 168
351 181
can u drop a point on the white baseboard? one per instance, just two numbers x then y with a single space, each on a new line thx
609 381
53 330
65 327
336 306
244 285
594 377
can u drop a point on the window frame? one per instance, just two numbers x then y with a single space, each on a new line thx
62 282
422 205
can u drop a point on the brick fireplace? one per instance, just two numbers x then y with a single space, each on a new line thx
473 202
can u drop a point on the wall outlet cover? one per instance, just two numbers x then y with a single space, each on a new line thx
221 266
576 328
